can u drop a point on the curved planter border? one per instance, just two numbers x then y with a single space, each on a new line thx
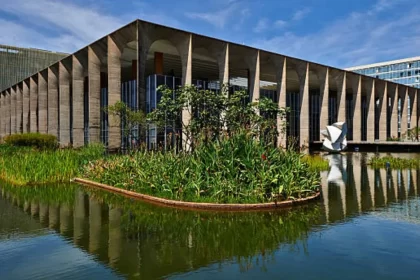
200 205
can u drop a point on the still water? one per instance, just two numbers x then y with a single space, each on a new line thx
367 226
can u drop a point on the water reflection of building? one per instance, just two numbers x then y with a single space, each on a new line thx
143 243
363 189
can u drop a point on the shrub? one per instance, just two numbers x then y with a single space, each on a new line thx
41 141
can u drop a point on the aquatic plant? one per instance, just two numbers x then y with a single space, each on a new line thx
316 162
25 165
235 169
394 162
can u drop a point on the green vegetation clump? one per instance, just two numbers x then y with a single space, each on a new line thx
40 141
317 162
394 163
29 166
236 169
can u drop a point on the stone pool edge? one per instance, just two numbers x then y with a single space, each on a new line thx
199 205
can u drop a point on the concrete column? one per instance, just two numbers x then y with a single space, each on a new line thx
77 100
223 62
281 75
414 111
2 115
371 111
52 111
393 92
159 63
404 110
114 91
186 58
94 76
383 105
341 96
12 110
25 106
303 73
255 79
33 104
43 102
357 107
324 81
19 103
64 106
8 109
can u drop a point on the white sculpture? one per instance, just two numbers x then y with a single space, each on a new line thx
335 137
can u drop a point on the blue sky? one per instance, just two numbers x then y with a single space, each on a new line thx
339 33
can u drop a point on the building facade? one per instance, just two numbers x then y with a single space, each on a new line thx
17 64
403 71
65 98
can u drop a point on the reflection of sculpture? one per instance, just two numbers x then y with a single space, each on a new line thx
338 169
335 140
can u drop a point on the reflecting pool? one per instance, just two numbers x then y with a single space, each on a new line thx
366 226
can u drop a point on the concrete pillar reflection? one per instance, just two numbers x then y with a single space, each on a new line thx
94 77
19 103
53 216
12 110
33 103
25 106
78 101
114 91
405 182
65 219
395 184
42 102
357 107
64 69
281 70
34 208
341 96
325 198
371 110
43 213
357 173
115 236
384 183
324 81
404 111
383 106
95 222
52 109
303 73
79 217
371 181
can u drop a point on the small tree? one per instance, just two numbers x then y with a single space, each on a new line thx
214 114
130 119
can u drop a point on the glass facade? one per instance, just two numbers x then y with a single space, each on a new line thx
407 73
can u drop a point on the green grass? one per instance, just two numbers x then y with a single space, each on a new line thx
394 163
29 166
317 162
238 169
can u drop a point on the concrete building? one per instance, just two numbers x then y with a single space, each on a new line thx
65 98
17 63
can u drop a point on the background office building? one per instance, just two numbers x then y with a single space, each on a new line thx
17 63
403 71
65 98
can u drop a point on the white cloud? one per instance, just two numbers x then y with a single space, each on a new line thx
300 14
261 26
360 38
217 18
280 23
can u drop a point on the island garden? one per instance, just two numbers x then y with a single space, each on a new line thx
226 153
